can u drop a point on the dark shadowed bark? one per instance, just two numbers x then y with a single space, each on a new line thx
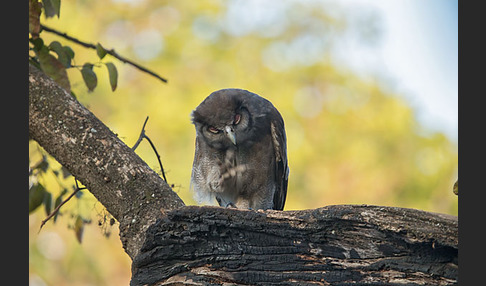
335 245
175 245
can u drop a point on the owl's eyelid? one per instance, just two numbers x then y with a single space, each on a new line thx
237 119
213 129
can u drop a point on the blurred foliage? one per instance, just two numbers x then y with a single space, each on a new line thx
351 140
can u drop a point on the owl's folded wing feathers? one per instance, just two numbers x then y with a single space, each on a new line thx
281 166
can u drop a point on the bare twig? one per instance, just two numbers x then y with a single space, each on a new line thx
54 212
140 138
158 158
111 52
142 135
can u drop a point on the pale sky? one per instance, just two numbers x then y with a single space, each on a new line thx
418 52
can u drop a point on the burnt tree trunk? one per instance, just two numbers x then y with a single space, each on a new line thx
175 245
335 245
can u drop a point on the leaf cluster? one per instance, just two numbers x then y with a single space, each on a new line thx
54 58
44 195
38 194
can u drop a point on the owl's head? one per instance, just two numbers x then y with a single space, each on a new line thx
229 117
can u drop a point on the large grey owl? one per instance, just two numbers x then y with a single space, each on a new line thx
241 151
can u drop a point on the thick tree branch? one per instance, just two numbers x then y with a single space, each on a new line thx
335 245
132 192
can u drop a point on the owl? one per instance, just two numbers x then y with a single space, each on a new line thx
241 151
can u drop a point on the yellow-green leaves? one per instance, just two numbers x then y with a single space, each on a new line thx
36 196
52 8
79 228
55 58
89 76
100 51
53 68
64 53
112 71
91 79
113 75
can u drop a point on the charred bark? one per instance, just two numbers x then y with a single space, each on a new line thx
335 245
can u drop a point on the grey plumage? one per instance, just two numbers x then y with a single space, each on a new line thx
241 151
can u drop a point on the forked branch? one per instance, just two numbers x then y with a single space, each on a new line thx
140 138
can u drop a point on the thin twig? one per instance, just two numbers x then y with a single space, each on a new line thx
54 212
140 138
142 134
111 52
158 158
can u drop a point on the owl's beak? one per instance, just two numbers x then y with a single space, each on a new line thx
230 133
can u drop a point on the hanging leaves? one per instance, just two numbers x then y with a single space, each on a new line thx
64 53
79 228
112 71
52 66
113 75
52 8
47 203
89 76
36 196
100 51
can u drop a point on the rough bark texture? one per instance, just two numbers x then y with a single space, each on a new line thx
129 189
335 245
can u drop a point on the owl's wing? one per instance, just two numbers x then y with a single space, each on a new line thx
281 167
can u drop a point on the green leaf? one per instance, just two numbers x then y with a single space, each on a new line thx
79 228
53 68
69 52
100 51
34 17
36 196
113 75
38 44
89 76
52 8
62 56
47 203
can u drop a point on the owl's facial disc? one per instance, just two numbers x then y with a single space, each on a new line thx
230 132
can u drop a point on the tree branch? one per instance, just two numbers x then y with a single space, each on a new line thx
111 52
132 192
334 245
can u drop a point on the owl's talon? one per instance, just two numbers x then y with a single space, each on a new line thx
231 205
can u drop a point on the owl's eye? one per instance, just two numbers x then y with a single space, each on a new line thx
213 130
237 119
